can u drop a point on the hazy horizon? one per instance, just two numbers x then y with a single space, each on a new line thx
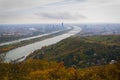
57 11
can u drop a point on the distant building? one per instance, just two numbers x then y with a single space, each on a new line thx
62 24
112 62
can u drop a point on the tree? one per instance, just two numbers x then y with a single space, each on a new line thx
2 57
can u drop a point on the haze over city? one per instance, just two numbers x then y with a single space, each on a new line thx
56 11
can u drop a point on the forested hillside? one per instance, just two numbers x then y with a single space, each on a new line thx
74 58
47 70
82 51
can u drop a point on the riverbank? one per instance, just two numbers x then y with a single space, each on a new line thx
26 50
23 42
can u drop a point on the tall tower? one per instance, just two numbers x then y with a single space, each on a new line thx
62 24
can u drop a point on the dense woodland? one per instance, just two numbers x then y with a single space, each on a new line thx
74 58
82 51
51 70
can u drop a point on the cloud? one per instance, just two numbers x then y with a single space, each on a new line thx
32 11
63 2
11 5
61 16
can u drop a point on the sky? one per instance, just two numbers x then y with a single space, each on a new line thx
56 11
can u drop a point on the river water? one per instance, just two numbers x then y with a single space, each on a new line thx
19 40
26 50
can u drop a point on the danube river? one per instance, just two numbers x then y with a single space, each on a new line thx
19 40
26 50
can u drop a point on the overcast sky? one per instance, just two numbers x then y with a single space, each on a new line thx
56 11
